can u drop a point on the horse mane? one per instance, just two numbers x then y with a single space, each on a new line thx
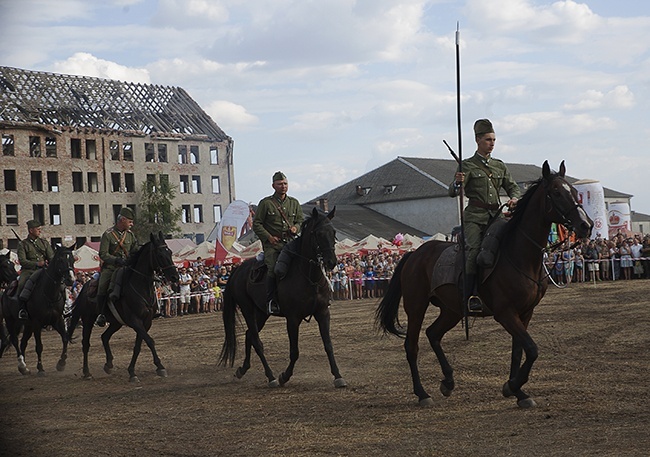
522 204
133 258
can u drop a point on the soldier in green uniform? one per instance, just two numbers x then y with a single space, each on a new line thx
33 253
482 178
277 220
117 243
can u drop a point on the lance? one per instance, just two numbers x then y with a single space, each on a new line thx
16 235
459 159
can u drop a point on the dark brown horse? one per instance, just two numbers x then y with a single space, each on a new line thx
135 308
511 290
45 307
304 292
8 275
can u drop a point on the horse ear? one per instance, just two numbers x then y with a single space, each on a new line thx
161 237
562 169
546 170
151 238
314 212
330 215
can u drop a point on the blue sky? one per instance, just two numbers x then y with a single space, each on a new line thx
326 90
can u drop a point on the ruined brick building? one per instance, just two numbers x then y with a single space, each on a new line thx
76 149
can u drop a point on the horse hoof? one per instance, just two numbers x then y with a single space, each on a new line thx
108 369
24 370
41 374
239 374
60 366
88 377
526 403
274 383
446 391
282 380
161 372
426 402
134 379
506 390
340 382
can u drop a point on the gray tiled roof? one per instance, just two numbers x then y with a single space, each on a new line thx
412 178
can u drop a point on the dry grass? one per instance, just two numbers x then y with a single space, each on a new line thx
589 382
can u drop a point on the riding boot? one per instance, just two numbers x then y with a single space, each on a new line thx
272 304
22 312
470 297
101 304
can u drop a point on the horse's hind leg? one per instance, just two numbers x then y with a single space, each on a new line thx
136 351
246 364
20 348
443 323
323 319
415 315
39 351
253 339
85 346
143 335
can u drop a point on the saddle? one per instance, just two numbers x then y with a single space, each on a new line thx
258 272
93 286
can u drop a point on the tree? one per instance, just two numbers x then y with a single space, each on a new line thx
156 211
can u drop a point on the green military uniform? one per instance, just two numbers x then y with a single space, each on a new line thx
269 220
114 248
483 180
30 252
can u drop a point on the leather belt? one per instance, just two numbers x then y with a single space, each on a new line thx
480 204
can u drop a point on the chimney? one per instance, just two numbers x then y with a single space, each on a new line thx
323 205
360 191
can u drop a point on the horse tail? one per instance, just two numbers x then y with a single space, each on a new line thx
386 314
229 314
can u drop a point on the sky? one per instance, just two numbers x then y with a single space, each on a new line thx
327 90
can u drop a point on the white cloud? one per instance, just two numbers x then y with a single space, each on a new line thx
621 97
82 63
230 115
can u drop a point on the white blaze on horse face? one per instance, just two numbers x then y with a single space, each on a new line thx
566 187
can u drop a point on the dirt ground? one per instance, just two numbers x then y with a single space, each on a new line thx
590 383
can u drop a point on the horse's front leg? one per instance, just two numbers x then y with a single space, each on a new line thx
323 319
293 328
136 352
106 337
143 335
39 351
61 328
85 346
519 373
20 348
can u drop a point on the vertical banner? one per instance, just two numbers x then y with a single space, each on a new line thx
235 222
619 218
592 198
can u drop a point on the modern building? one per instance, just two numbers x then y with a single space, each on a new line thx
76 149
412 192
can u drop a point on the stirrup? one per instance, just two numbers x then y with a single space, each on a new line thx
22 314
273 308
474 303
101 320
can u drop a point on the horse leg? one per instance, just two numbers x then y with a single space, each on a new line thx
61 328
39 351
293 327
323 319
85 345
142 334
246 364
136 352
415 316
443 323
106 337
20 350
521 340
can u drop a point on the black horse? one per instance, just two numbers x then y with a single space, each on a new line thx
304 292
45 307
8 275
135 308
511 289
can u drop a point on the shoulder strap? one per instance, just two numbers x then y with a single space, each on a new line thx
284 216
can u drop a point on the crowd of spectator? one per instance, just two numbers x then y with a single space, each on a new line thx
361 275
621 257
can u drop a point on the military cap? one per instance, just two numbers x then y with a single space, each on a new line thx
483 126
33 224
279 176
127 212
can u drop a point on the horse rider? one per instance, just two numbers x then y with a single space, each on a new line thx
482 178
33 253
276 222
116 244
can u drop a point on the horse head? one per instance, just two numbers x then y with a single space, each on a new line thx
7 270
322 237
161 258
563 198
62 264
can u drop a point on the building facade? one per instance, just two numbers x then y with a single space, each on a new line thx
77 149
